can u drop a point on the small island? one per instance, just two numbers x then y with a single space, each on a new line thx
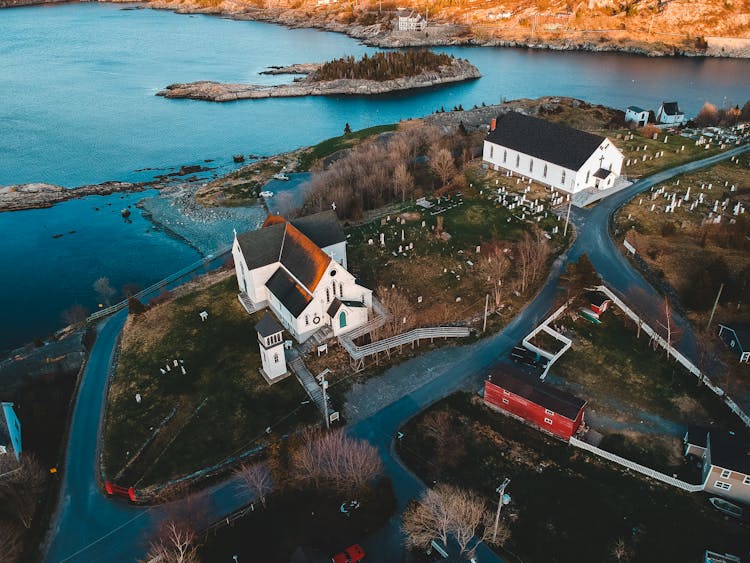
380 73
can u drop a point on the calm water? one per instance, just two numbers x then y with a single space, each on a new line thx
77 105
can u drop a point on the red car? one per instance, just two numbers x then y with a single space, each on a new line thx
351 554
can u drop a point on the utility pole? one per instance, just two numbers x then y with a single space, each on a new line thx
501 492
321 377
711 318
567 216
486 306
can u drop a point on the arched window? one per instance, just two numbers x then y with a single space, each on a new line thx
531 165
342 319
341 289
588 174
545 171
505 156
328 295
492 151
307 320
518 160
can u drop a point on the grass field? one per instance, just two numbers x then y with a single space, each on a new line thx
565 505
330 146
221 407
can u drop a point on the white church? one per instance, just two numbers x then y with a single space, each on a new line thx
549 153
298 270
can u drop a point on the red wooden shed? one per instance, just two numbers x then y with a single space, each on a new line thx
539 403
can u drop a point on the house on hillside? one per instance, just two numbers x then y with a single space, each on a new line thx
10 431
524 396
410 20
726 461
298 270
636 115
552 154
669 114
738 340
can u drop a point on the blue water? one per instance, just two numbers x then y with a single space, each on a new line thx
77 105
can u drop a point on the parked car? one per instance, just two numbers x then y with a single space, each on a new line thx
351 554
525 356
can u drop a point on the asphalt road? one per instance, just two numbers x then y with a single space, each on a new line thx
91 527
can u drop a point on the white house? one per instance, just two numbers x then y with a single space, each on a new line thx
550 153
669 114
725 461
636 115
298 269
10 431
410 21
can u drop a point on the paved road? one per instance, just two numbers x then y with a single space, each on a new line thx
90 527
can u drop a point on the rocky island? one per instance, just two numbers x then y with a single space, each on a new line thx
39 195
379 74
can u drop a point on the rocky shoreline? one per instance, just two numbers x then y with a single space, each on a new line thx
459 70
39 195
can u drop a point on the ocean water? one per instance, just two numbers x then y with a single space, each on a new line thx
77 105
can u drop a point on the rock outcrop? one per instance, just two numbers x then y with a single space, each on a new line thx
458 71
34 196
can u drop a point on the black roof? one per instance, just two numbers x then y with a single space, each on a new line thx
596 298
742 332
553 142
696 435
670 108
730 451
337 303
288 292
531 388
268 325
322 228
602 173
636 109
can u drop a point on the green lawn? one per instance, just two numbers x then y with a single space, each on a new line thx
566 505
330 146
221 407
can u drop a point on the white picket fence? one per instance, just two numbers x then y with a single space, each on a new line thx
567 342
642 469
679 357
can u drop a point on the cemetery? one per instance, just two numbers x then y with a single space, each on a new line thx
187 393
459 440
690 236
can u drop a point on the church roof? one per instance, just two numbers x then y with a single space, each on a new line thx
552 142
296 247
291 294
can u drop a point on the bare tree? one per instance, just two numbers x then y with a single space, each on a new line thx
403 182
335 460
532 252
256 478
492 268
441 162
447 511
402 317
22 488
11 541
620 550
175 544
104 290
75 314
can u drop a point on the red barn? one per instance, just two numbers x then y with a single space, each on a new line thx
534 401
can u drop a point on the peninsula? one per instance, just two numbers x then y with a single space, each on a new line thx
379 74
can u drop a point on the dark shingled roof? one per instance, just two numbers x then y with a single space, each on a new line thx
602 173
262 247
730 451
322 228
268 325
531 388
670 108
288 292
636 109
555 143
696 435
298 248
337 303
